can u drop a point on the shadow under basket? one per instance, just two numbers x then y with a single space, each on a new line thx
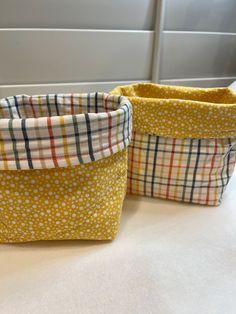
63 166
184 141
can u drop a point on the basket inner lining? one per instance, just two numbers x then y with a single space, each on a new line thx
210 95
24 106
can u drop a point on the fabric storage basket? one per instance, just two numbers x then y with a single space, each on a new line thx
63 166
184 142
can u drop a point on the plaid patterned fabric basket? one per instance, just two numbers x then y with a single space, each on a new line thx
184 142
63 166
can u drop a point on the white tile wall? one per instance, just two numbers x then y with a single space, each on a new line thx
200 15
74 45
93 14
63 44
198 42
197 55
55 56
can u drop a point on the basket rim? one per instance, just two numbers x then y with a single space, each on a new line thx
84 96
67 139
172 111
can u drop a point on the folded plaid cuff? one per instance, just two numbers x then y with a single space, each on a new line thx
50 131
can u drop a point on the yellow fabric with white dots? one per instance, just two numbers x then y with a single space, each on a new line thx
80 202
181 112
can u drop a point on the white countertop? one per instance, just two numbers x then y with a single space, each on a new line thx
169 258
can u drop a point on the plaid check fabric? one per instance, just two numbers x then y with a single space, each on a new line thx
50 131
189 170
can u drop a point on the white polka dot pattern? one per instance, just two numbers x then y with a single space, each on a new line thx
80 202
181 112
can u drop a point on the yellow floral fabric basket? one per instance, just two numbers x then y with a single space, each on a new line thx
63 166
184 141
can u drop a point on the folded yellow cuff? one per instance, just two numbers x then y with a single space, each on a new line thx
182 112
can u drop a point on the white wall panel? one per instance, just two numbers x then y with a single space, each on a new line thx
85 87
54 56
200 15
233 86
196 54
201 82
113 14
